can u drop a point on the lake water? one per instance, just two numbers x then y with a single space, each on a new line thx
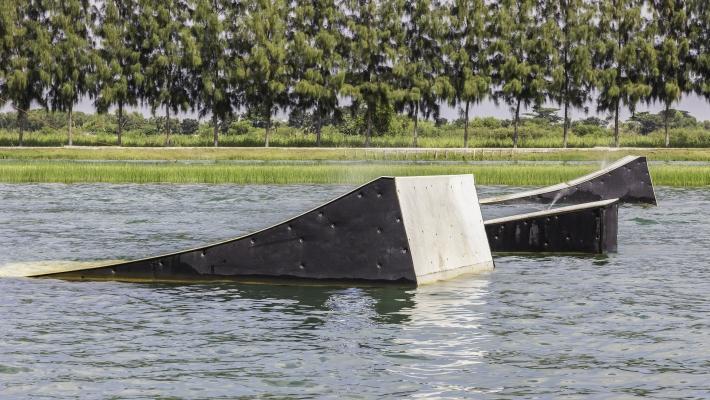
631 324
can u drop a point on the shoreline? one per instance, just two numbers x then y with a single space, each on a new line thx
62 171
350 153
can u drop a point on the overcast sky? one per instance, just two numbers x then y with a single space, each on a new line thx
694 104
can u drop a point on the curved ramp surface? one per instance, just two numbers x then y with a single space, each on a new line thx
627 179
410 229
584 228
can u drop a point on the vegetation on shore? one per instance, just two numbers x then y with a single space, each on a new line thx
344 154
539 130
341 173
357 67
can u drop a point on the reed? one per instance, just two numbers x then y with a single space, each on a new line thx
346 154
343 173
532 136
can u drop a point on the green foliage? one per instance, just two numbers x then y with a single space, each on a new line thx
372 46
467 47
118 68
343 173
380 57
624 57
265 73
672 119
386 122
596 121
209 63
27 58
571 68
671 29
521 49
545 114
189 126
582 129
393 130
241 127
8 33
166 49
317 62
419 69
72 69
699 34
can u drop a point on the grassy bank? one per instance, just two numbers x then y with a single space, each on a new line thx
346 154
121 172
532 135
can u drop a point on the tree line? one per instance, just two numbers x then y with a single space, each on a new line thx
219 57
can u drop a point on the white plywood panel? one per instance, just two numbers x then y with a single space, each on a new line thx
444 226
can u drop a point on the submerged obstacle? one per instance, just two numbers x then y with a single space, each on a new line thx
627 179
584 228
408 229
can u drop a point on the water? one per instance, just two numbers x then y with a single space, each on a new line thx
633 324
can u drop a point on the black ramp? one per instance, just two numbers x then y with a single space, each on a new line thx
316 245
627 179
585 228
362 235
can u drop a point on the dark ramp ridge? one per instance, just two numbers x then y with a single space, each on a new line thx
584 228
409 229
627 179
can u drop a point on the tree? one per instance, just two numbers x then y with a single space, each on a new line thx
624 57
468 54
700 46
419 68
265 71
189 126
212 72
165 46
119 72
651 122
316 59
520 50
72 70
8 27
572 69
373 33
672 29
548 115
26 57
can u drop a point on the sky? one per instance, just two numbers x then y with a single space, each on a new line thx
695 105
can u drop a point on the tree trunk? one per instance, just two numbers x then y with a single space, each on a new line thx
566 125
215 130
268 130
618 84
465 126
416 122
167 125
120 124
665 118
318 128
368 133
565 128
516 121
21 117
71 142
616 124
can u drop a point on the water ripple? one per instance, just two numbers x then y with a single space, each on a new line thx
632 324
